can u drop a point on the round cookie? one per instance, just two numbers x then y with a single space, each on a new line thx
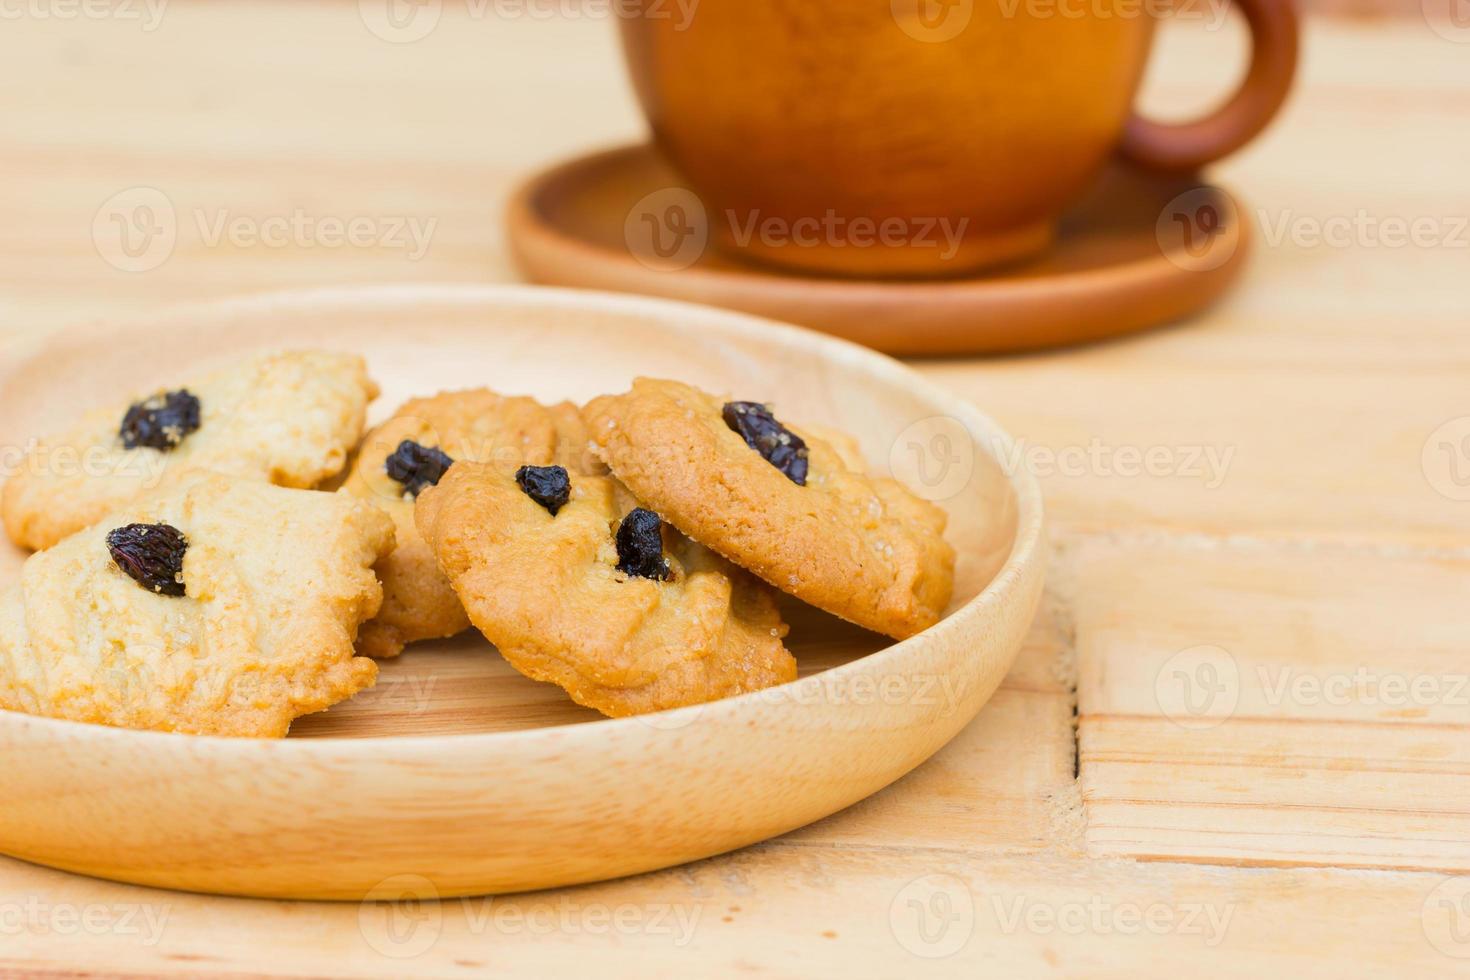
289 419
785 504
506 433
213 606
578 586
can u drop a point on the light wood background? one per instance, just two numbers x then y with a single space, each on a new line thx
1086 823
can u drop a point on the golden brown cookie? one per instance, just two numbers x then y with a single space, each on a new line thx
790 508
624 613
288 419
504 432
213 606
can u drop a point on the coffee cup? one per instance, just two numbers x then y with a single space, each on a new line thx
902 138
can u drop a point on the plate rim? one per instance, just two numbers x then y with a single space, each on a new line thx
1028 547
989 312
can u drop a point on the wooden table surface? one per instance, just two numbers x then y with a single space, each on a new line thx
1237 741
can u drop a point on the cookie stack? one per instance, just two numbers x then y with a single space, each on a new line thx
628 551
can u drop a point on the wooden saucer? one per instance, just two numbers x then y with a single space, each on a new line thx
1140 251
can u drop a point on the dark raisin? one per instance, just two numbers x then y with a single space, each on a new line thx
417 467
151 555
781 447
160 422
641 545
549 486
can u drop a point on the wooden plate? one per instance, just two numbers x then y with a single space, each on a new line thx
456 775
1140 251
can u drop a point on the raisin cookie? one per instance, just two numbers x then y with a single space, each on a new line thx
288 419
212 606
791 508
580 587
412 451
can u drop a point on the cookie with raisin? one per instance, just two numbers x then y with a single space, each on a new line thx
289 419
411 452
212 606
785 503
579 585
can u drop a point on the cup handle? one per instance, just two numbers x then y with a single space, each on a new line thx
1167 146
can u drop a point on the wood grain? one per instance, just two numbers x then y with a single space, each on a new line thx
1274 715
1328 370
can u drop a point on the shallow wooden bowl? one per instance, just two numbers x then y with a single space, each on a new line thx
456 775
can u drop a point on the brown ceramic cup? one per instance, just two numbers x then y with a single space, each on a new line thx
918 137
